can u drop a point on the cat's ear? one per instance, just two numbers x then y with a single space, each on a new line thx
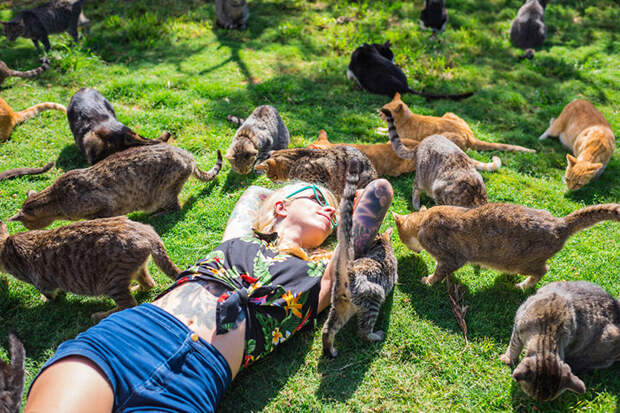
398 218
596 166
396 96
322 135
423 208
571 160
388 44
574 383
398 108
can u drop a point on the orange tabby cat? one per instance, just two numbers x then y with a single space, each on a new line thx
417 127
10 119
381 155
587 134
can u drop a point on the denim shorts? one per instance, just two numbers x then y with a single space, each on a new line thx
152 361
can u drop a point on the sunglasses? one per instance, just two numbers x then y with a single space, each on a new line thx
320 198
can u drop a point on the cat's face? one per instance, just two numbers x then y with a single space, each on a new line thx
275 167
579 174
408 227
30 215
12 30
544 378
242 156
396 107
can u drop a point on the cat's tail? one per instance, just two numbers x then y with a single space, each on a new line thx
24 115
162 259
235 120
13 391
209 175
397 145
431 96
13 173
492 146
529 53
586 217
45 64
488 167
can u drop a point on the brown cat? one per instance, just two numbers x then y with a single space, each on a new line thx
10 119
12 377
381 155
506 237
13 173
6 72
587 134
96 257
417 127
146 178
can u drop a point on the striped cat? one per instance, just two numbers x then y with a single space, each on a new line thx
12 377
361 285
6 72
9 119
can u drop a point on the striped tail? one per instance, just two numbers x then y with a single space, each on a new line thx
586 217
488 167
13 390
491 146
13 173
209 175
45 64
24 115
235 120
397 145
162 259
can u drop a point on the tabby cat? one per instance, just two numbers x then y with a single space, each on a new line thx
418 127
587 134
12 377
146 178
9 119
381 155
505 237
96 257
528 30
5 71
361 285
443 170
96 130
232 14
263 132
54 17
325 166
13 173
565 327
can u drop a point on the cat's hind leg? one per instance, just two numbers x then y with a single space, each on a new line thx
511 356
536 271
368 313
170 199
123 299
144 279
339 313
547 133
443 270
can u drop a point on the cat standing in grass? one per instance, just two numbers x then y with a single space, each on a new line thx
232 14
6 72
9 119
12 377
528 30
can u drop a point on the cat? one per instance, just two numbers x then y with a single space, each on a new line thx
510 238
376 73
588 135
565 327
528 30
360 286
95 257
12 377
325 166
232 14
417 127
434 16
13 173
146 178
381 155
9 119
6 72
96 130
444 171
53 17
384 49
263 132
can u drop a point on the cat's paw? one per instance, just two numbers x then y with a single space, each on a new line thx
525 284
376 336
331 352
505 358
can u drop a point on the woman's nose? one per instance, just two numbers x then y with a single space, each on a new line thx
330 210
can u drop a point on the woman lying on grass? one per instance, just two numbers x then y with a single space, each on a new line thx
181 352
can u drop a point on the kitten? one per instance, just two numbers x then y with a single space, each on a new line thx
381 155
376 73
12 377
443 170
506 237
6 72
417 127
325 166
261 133
9 119
96 257
145 178
528 30
565 327
361 285
96 130
232 14
54 17
434 16
13 173
588 135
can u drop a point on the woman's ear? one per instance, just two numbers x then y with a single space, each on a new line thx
281 209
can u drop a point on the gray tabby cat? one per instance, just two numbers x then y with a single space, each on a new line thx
96 257
12 377
565 327
54 17
232 14
324 166
443 170
263 132
361 285
6 72
146 178
528 30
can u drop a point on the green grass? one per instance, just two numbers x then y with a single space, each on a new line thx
164 66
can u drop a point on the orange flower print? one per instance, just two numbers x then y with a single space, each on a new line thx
291 304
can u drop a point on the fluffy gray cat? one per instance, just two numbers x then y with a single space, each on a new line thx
528 30
232 14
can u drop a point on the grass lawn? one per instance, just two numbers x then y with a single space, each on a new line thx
164 66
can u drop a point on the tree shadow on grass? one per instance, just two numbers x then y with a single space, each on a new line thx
70 158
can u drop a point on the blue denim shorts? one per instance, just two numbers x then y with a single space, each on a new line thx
152 361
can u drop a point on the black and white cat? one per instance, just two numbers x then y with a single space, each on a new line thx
434 16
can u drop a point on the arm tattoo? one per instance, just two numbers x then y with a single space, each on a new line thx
368 216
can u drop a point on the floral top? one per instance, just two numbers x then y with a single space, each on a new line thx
276 293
